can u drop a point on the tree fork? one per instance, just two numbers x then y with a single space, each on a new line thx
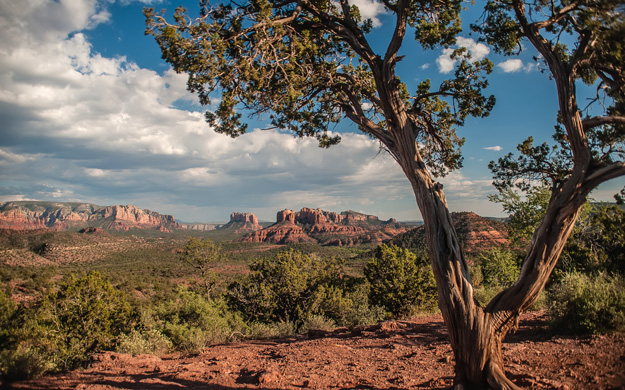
475 335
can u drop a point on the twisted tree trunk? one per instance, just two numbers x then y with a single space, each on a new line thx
476 333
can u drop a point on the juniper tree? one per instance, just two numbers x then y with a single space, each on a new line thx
308 64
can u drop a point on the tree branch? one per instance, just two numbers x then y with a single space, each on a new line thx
398 35
604 174
596 121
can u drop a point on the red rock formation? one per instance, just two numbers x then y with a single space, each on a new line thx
62 216
244 217
326 228
242 222
19 219
283 232
285 215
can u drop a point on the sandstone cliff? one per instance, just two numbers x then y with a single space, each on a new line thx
475 233
242 223
326 228
65 216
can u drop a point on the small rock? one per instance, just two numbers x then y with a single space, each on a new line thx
268 377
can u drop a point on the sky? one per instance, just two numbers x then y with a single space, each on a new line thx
89 112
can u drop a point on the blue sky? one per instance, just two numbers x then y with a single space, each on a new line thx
90 113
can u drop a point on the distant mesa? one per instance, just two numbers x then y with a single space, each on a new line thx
242 223
66 216
326 228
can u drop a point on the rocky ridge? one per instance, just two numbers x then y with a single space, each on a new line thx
475 233
326 228
65 216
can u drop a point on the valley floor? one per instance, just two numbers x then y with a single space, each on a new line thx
393 355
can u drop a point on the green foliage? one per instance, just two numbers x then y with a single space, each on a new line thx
588 303
85 315
25 361
61 331
400 281
293 287
203 256
526 213
150 341
492 271
192 322
259 330
285 288
499 268
596 243
317 322
7 310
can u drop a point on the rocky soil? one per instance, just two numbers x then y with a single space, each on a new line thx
393 355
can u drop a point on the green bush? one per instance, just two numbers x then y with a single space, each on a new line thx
499 268
259 330
192 322
150 341
588 304
350 306
84 316
400 281
64 329
292 287
286 288
25 361
317 322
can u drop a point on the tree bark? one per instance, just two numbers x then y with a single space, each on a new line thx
476 334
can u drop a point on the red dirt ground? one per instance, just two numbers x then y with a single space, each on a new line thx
393 355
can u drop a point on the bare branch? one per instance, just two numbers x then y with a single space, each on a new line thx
596 121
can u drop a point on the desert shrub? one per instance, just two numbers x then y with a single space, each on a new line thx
150 341
63 329
499 267
193 322
596 245
492 271
287 288
25 361
85 315
583 303
317 322
7 310
350 306
260 330
400 281
203 256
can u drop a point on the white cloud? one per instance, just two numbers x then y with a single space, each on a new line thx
425 66
369 9
496 148
517 65
81 126
512 65
477 50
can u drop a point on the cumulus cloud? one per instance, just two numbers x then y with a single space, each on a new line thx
496 148
369 9
477 50
517 65
512 65
82 126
